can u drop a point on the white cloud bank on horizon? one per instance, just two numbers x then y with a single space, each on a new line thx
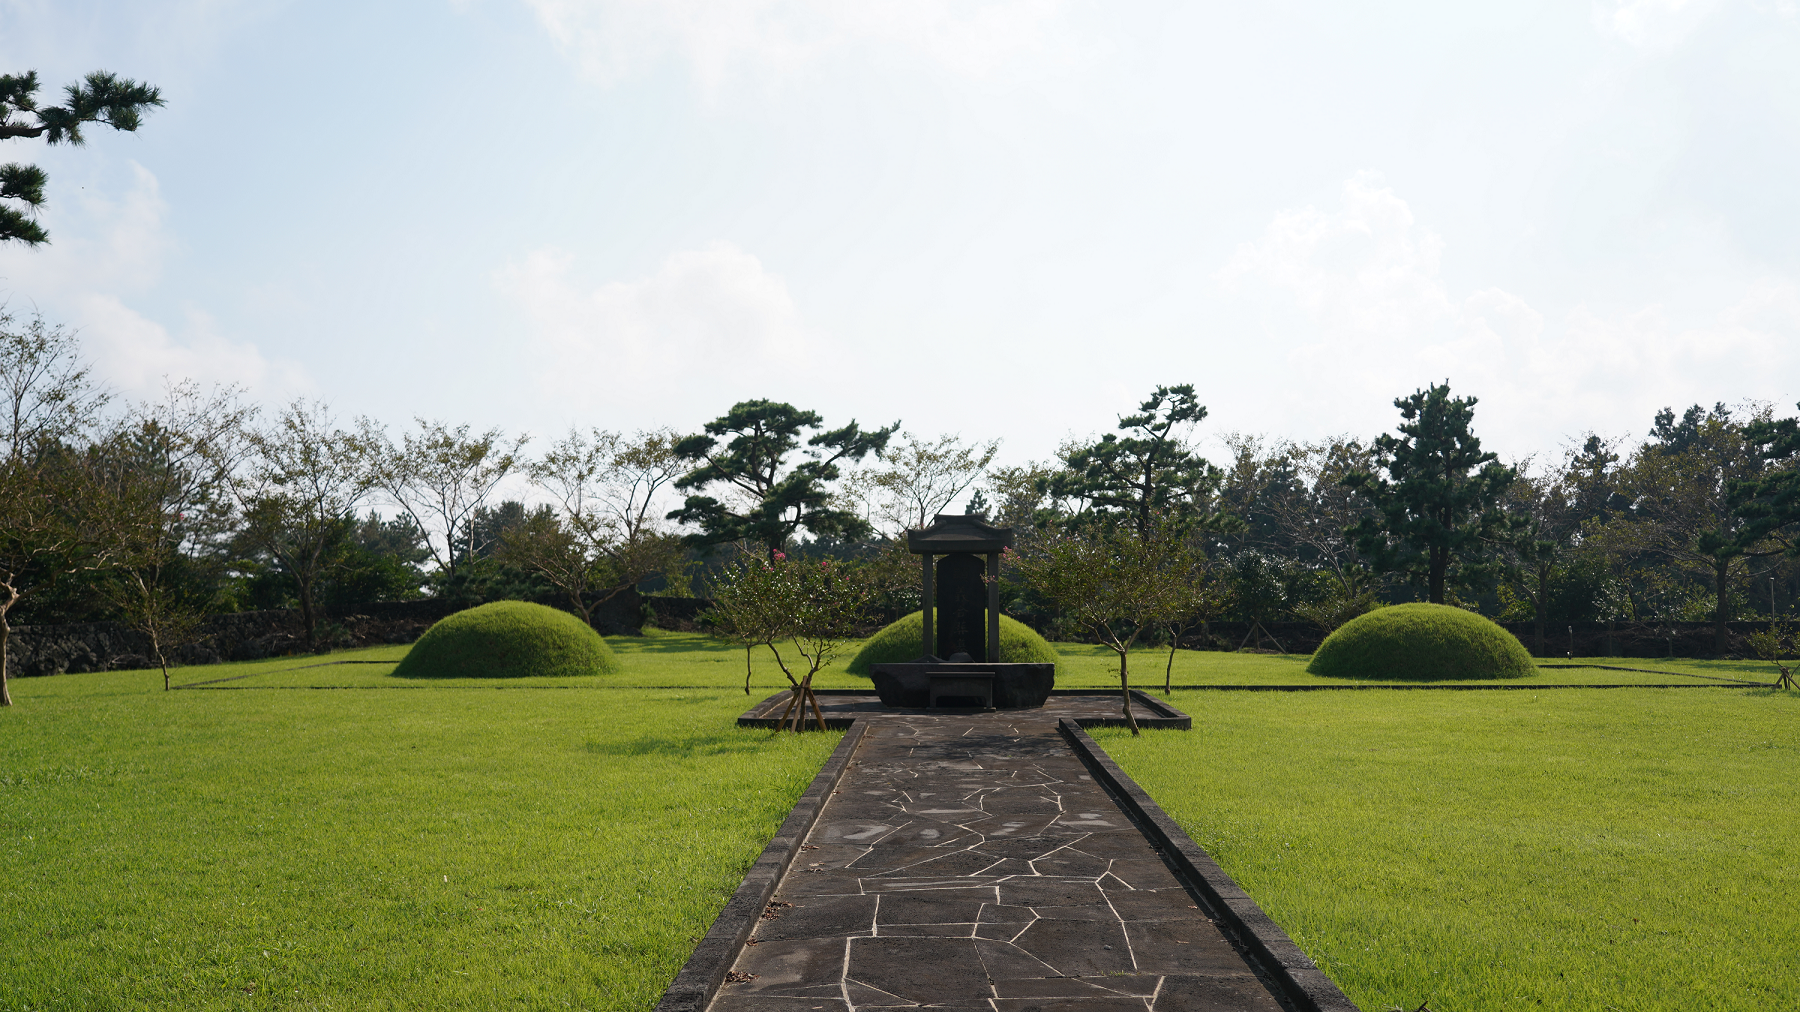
99 255
711 318
722 39
1352 293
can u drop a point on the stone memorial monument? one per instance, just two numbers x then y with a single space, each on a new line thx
959 664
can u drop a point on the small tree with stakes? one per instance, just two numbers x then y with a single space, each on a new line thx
1776 644
1115 584
818 606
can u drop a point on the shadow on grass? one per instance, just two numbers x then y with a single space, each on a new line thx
660 642
733 742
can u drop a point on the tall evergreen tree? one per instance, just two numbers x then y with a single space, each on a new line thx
99 98
1771 502
750 451
1438 515
1148 469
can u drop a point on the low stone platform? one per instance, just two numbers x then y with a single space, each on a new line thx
994 861
842 708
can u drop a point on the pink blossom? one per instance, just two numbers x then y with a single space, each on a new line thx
780 556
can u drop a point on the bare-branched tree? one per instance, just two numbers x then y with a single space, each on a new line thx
298 495
440 477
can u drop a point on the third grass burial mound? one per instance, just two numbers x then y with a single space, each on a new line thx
509 639
1421 643
901 642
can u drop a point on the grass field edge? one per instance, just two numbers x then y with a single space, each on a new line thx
1301 983
700 977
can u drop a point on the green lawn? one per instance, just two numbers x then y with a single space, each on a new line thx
424 849
1629 849
692 660
311 832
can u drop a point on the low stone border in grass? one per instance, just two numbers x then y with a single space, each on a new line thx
842 708
1398 686
1160 714
1268 947
700 978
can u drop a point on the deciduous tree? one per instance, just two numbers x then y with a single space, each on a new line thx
299 493
47 498
1680 486
606 535
920 478
49 403
1114 583
164 470
47 392
817 605
440 476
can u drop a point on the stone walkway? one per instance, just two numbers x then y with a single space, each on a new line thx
970 862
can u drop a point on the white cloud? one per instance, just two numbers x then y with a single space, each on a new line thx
135 354
105 248
1359 304
1367 268
1652 25
721 39
712 316
97 240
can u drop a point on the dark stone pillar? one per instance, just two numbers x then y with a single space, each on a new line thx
962 607
928 601
993 607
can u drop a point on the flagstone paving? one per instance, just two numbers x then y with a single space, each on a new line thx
970 862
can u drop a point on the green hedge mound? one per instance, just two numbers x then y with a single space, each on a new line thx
900 641
1421 643
509 639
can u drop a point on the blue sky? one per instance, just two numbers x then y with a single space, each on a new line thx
1002 219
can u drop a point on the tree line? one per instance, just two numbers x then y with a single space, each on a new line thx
159 513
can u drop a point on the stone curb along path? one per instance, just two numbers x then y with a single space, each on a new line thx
995 861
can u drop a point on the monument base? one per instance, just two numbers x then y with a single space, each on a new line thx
1012 686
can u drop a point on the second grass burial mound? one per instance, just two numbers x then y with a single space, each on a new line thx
509 639
1421 643
901 642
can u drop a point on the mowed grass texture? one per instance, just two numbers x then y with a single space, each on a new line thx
433 848
690 660
313 832
1628 849
1422 643
508 639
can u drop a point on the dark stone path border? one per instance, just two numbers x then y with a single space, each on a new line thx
1469 688
705 970
843 707
1293 979
1306 987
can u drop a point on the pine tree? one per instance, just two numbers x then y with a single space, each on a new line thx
782 497
1150 469
1771 502
99 98
1438 513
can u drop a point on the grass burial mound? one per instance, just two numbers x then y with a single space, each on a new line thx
508 639
899 643
1421 643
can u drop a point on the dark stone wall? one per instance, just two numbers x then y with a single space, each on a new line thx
681 614
253 635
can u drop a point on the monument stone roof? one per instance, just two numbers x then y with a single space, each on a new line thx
953 532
